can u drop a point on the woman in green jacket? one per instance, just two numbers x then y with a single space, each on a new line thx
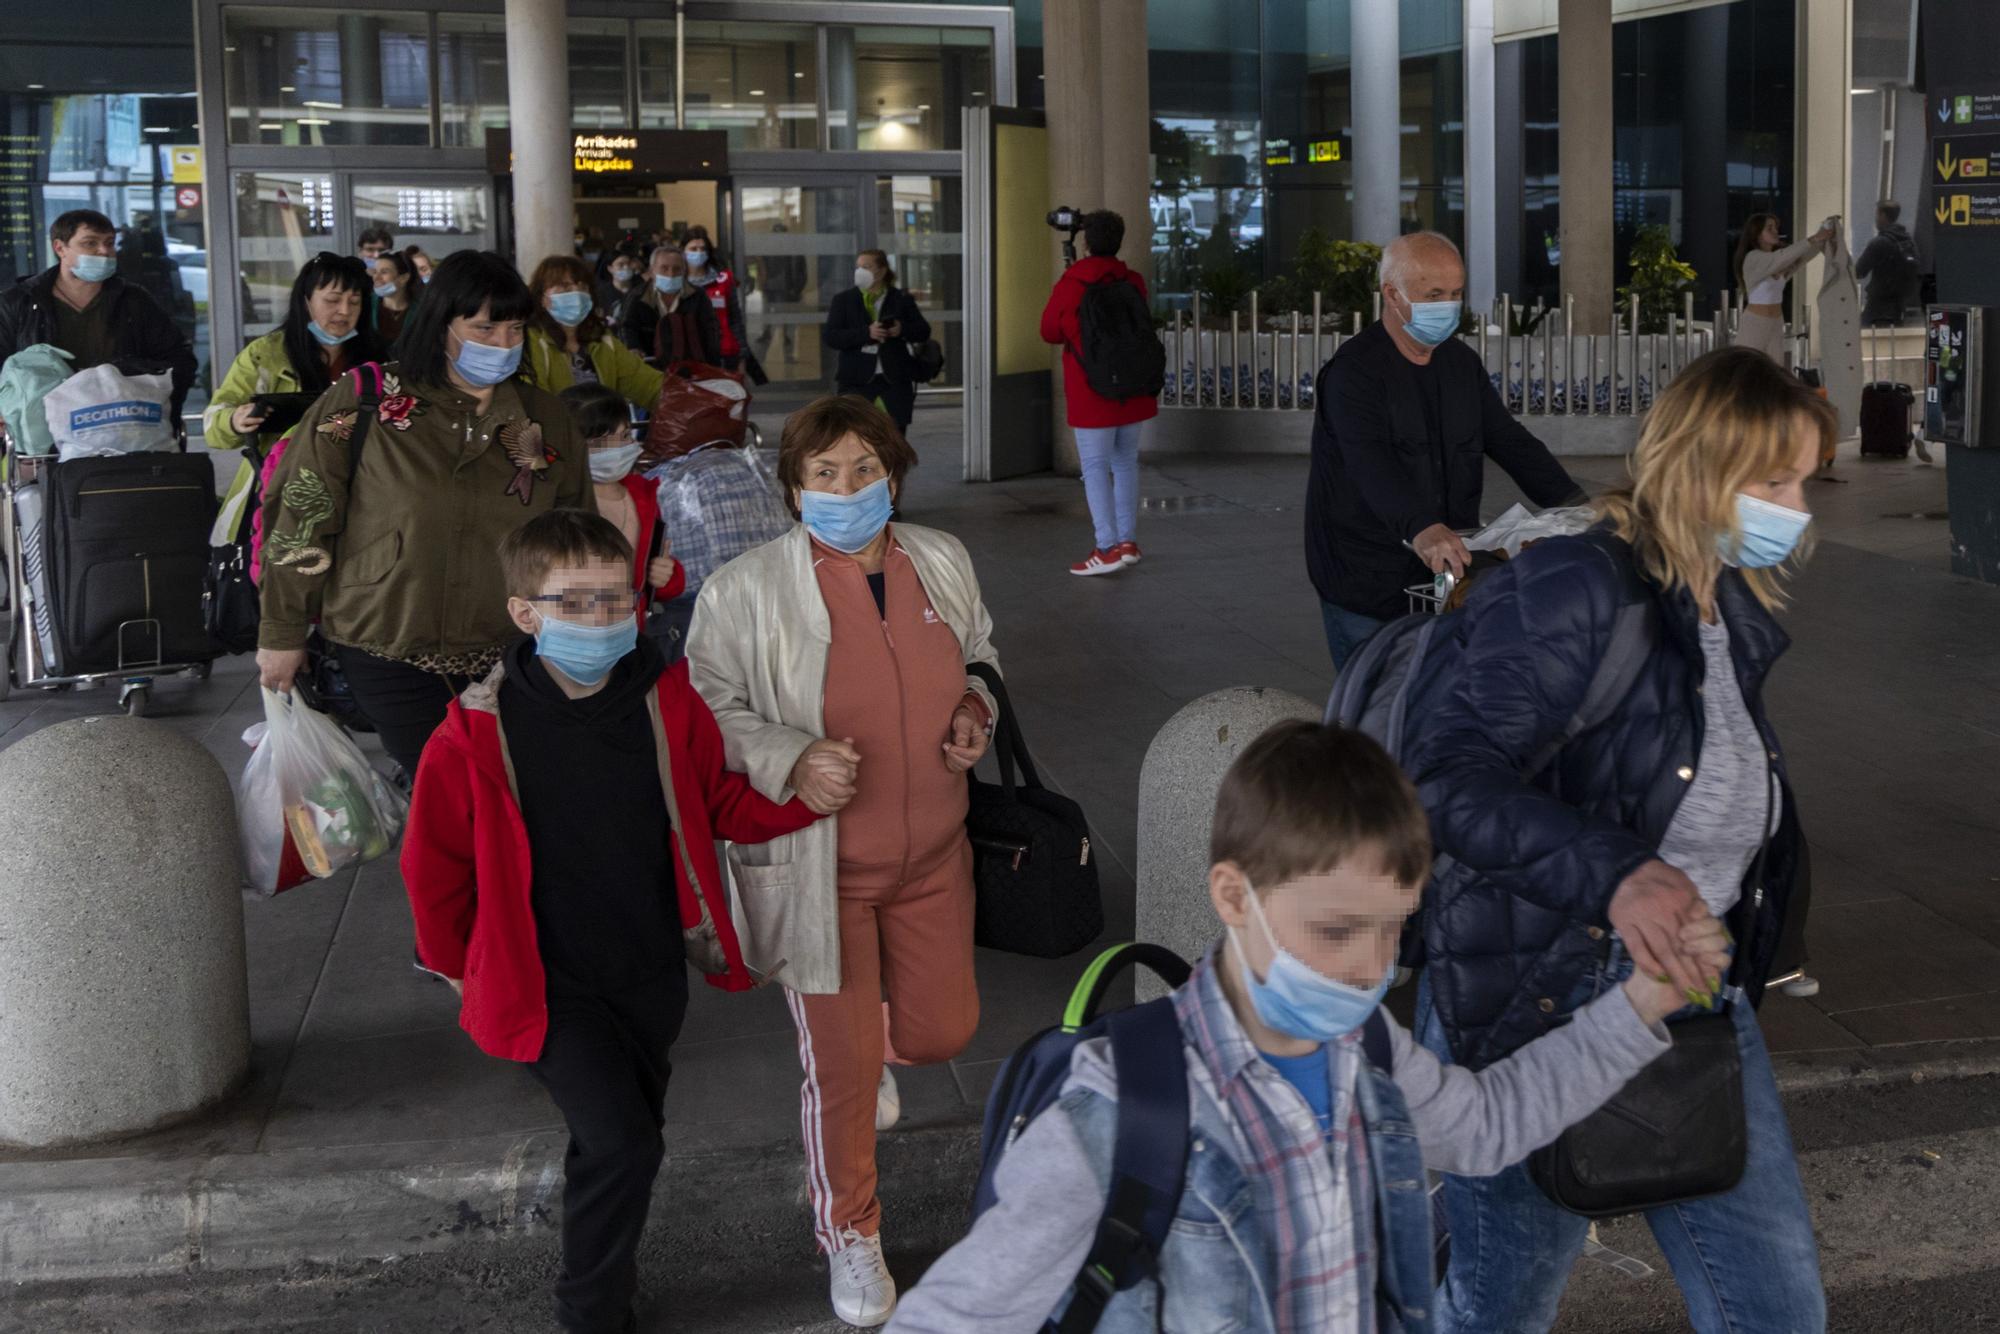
569 343
322 338
394 550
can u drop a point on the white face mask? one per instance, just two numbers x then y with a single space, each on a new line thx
864 278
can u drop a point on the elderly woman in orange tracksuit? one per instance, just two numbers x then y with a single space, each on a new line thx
835 659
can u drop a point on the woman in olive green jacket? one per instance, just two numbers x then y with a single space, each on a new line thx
568 342
323 335
394 551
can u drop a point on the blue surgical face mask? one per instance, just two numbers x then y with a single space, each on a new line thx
483 364
570 308
669 283
327 339
92 268
847 523
1298 1000
1771 533
1431 322
608 465
696 258
385 291
585 653
426 280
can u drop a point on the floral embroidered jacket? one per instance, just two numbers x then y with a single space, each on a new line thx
406 565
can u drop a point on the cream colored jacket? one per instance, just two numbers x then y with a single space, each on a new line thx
757 653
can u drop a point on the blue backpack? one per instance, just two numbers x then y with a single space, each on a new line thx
1149 1157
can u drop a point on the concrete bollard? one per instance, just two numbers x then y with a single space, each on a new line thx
1177 786
124 1004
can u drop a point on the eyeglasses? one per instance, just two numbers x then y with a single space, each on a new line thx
575 606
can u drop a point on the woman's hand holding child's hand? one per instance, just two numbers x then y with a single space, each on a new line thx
1704 940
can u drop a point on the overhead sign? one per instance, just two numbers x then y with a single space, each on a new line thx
694 154
1323 150
1962 115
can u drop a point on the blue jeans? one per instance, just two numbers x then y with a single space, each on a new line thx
1746 1261
1346 631
1110 457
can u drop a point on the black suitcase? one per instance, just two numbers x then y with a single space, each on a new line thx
128 559
1885 419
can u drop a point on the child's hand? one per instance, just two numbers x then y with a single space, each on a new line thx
660 571
1704 940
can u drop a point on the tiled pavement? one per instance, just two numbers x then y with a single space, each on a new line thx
1889 703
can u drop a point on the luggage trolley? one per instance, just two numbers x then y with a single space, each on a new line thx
31 622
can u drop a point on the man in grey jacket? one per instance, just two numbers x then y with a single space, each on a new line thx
1319 851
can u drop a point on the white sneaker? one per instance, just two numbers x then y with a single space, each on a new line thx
888 1102
1800 987
863 1293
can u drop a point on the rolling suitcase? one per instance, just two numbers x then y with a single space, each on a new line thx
128 558
1885 419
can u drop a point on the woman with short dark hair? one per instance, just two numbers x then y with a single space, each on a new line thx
322 337
836 660
384 531
569 342
396 290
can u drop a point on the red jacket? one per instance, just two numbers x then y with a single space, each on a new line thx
467 867
1059 325
721 291
645 493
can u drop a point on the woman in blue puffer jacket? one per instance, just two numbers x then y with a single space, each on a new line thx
1569 878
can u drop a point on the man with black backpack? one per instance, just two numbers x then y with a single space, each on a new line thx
1114 367
1889 266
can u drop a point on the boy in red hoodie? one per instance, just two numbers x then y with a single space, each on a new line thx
561 868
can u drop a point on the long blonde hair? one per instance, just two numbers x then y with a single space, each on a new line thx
1734 417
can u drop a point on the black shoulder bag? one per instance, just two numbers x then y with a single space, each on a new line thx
1676 1131
1032 872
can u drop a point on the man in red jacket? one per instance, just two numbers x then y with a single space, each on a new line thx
560 862
1107 429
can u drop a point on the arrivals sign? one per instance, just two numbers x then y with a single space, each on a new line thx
665 153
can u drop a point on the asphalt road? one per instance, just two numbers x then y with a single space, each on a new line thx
1902 1181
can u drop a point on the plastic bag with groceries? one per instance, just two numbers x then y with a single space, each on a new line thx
309 803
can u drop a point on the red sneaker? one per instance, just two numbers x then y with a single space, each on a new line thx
1098 562
1128 553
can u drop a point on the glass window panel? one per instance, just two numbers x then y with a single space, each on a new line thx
440 217
656 74
597 74
472 77
281 222
322 76
901 88
758 81
920 222
799 244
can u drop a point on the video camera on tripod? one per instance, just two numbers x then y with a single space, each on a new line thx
1068 221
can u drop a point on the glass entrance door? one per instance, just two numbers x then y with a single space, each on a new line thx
920 222
799 243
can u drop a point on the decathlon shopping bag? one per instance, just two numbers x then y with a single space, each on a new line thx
102 412
309 803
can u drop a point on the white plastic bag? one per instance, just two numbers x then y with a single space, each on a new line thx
309 803
1517 527
102 412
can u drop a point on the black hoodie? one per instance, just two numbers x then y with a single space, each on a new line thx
1889 265
606 912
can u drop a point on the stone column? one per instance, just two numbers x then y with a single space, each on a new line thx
1377 67
1482 192
1177 786
121 933
1823 162
1073 96
1584 82
539 129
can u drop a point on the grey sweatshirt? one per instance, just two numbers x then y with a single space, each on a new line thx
1009 1272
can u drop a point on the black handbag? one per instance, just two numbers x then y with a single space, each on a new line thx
1675 1132
229 604
1033 874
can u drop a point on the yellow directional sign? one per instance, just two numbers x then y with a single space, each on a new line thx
1961 210
1945 163
1943 209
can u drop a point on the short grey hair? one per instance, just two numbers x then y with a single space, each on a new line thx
664 248
1406 250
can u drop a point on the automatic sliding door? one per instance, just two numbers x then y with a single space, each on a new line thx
920 222
799 243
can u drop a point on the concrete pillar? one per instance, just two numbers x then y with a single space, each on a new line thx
1823 161
1482 188
539 129
1072 94
843 106
1177 785
121 933
1377 66
360 61
1583 97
